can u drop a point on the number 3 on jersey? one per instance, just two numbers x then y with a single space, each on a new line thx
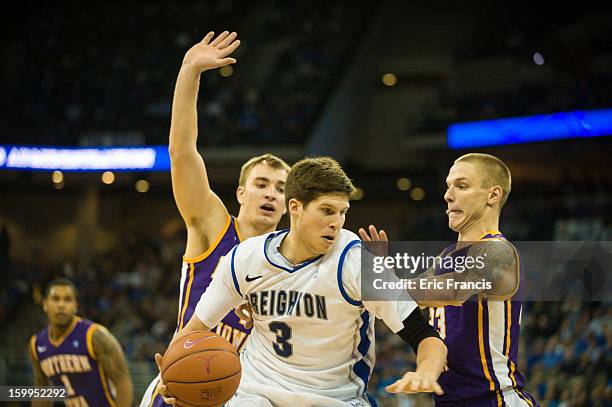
437 319
283 333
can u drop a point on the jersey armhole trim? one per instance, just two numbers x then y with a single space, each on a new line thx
213 246
233 268
33 347
89 340
340 284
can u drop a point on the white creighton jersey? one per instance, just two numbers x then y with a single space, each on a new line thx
312 343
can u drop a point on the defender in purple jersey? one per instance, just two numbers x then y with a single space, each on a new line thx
211 231
78 354
479 322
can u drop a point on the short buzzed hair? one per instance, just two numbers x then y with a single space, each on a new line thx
60 281
268 159
495 172
311 177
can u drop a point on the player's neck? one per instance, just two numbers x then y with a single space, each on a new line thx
248 229
478 230
57 331
294 249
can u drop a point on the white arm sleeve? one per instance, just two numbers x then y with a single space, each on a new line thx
392 311
221 296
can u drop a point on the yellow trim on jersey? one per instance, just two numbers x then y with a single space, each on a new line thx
509 307
212 246
491 232
483 358
499 399
512 367
62 338
187 292
88 340
237 231
521 395
33 347
103 379
154 395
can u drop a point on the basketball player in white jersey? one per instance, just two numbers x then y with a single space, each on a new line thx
312 342
211 230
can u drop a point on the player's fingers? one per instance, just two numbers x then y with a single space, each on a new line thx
437 388
169 400
374 233
364 235
383 236
401 386
219 38
426 386
393 388
158 360
229 49
410 385
228 40
207 38
227 61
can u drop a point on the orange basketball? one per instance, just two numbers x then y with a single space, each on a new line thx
201 368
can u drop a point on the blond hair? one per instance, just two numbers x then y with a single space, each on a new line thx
268 159
495 172
312 177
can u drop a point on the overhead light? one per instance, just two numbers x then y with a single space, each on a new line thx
57 177
226 71
418 194
403 184
538 59
389 79
142 185
108 177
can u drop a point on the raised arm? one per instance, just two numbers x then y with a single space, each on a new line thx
109 354
39 377
201 209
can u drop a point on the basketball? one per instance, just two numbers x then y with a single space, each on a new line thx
201 369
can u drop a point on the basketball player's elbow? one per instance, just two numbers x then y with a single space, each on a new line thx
125 392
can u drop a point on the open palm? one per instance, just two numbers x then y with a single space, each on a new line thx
213 54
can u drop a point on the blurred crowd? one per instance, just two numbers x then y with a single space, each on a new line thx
543 66
133 291
107 77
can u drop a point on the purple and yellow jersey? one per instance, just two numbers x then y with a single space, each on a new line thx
70 361
197 274
482 337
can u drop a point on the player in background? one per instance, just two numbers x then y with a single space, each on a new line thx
313 335
211 230
78 354
481 327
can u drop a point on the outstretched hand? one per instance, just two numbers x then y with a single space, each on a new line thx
213 54
413 382
376 241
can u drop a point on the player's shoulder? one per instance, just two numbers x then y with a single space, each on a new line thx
40 334
348 235
347 248
253 247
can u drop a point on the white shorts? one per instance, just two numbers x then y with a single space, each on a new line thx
272 396
147 398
